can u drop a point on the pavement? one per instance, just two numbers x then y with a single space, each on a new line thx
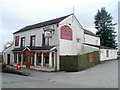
0 80
104 75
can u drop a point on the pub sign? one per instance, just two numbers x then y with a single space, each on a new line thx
66 32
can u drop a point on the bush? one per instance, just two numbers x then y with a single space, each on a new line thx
3 66
7 69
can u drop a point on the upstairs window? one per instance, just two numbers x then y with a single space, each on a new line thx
32 41
45 41
23 42
16 40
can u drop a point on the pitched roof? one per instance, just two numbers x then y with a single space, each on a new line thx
91 45
19 49
42 24
89 33
104 47
33 48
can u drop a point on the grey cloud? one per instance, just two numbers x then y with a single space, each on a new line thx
19 13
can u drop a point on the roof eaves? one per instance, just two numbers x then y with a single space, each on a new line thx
89 33
42 24
91 45
104 47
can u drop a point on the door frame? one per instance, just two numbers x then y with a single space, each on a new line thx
27 55
8 59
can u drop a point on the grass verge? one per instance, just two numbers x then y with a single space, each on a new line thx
6 69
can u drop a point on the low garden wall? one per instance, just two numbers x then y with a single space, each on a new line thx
79 62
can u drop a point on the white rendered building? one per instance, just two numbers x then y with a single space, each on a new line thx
39 46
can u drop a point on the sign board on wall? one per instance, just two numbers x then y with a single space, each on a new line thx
66 32
48 34
90 57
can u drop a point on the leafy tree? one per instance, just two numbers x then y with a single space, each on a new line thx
103 23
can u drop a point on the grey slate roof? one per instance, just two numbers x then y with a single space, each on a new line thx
104 47
89 33
42 24
34 48
91 45
19 49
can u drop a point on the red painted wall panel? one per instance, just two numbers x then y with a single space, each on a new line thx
90 57
66 32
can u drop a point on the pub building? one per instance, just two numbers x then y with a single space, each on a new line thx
40 46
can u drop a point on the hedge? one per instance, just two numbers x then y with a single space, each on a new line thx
78 62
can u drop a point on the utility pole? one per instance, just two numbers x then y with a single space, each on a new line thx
119 29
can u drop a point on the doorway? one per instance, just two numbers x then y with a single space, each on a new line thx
8 59
27 58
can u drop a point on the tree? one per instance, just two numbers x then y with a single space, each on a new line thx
7 44
105 28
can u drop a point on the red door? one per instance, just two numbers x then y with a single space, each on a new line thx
107 53
8 59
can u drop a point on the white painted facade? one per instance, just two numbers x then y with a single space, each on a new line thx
92 40
38 34
91 44
112 54
6 52
62 47
88 49
72 47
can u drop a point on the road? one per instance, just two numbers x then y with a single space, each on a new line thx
103 75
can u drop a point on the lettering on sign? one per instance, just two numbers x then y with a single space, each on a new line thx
66 32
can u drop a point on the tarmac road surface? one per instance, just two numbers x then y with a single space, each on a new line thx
103 75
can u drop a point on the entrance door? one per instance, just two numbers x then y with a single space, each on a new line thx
28 63
8 59
27 58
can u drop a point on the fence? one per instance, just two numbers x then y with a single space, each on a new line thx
79 62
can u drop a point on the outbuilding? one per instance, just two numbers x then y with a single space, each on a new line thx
107 53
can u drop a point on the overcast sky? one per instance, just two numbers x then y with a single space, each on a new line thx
16 14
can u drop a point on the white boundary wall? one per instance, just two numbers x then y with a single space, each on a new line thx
112 54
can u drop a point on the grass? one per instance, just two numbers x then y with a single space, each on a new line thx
7 69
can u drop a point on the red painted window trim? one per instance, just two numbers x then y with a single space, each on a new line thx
31 40
22 41
16 40
43 40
